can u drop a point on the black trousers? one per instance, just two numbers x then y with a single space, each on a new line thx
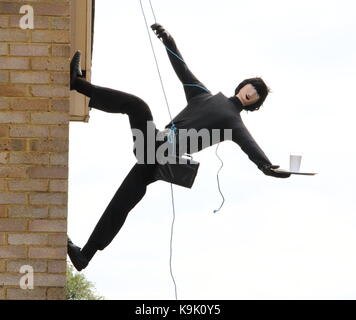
133 188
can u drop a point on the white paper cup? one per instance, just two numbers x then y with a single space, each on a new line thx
294 162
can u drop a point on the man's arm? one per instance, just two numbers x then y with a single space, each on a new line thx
192 86
243 138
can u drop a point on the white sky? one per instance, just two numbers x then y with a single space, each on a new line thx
274 238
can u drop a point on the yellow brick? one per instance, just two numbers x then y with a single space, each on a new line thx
12 145
29 158
39 22
7 7
2 270
13 35
56 294
58 212
23 131
52 198
3 49
14 91
13 117
60 78
4 21
52 36
60 50
27 212
9 279
60 23
13 172
4 76
3 212
57 266
50 91
28 294
4 131
30 77
11 63
57 146
28 185
49 118
51 64
4 159
48 226
47 253
12 198
51 173
2 239
4 104
29 49
59 132
50 280
60 105
58 186
30 104
37 265
59 159
27 239
51 9
57 240
12 252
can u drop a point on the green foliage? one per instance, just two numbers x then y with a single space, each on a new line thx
78 287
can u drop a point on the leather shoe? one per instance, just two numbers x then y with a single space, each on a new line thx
76 256
75 70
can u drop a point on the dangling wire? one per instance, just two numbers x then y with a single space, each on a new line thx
172 131
218 180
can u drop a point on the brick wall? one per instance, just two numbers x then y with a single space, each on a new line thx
34 126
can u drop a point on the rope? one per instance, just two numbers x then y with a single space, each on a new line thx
155 57
153 12
170 115
171 244
217 178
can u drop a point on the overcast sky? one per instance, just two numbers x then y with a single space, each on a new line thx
274 238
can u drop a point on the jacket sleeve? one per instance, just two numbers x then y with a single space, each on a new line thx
243 138
192 86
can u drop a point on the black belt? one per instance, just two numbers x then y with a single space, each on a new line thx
179 170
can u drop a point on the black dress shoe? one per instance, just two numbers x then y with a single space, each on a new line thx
75 70
76 256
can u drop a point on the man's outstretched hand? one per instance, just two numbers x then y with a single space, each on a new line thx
160 32
269 170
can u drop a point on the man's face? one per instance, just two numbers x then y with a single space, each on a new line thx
248 95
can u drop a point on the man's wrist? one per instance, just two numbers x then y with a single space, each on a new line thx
265 166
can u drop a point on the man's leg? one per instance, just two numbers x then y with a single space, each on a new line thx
125 199
115 101
109 100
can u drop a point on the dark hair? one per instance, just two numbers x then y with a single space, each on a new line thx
261 89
